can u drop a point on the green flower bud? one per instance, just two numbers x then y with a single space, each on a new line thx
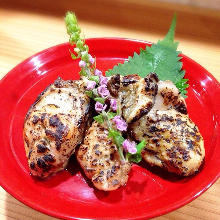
94 78
77 50
82 72
86 48
85 57
79 44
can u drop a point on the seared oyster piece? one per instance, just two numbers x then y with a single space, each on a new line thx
173 140
100 160
54 126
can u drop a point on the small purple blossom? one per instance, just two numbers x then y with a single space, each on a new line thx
113 103
129 146
100 107
91 85
98 72
103 80
120 123
82 63
103 91
91 59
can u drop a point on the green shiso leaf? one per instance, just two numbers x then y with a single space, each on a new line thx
161 58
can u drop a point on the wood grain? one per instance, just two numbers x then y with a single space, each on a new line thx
27 30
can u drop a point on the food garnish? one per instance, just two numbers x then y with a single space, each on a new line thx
140 113
161 58
98 91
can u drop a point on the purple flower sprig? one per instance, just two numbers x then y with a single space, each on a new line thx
113 104
87 63
103 91
96 88
116 124
99 107
134 151
90 85
120 123
129 146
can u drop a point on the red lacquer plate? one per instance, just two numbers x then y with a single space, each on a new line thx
149 192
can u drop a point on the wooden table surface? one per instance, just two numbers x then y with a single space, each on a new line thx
24 32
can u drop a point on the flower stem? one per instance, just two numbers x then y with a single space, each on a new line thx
109 125
106 119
